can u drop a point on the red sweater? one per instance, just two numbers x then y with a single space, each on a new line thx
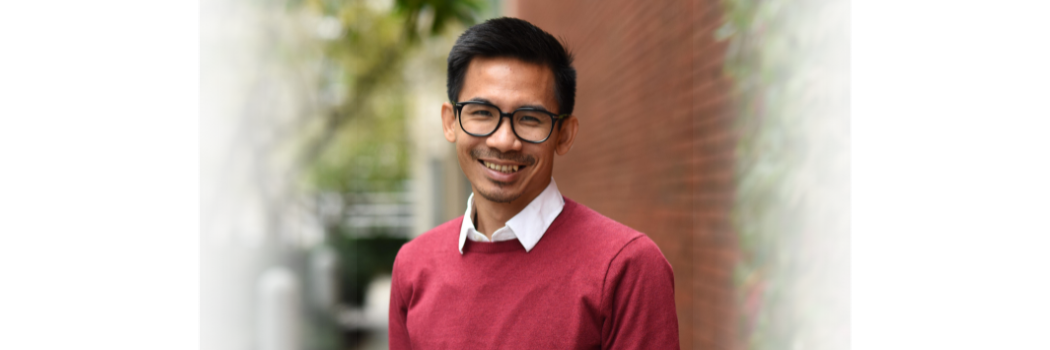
590 283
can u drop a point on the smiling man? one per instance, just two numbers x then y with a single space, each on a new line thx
524 267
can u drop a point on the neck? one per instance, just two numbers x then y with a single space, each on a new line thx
490 216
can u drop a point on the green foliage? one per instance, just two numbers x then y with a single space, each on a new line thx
357 141
444 13
349 137
354 138
361 260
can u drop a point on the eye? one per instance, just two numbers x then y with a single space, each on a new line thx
479 111
529 119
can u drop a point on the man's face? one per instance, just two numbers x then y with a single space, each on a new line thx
509 84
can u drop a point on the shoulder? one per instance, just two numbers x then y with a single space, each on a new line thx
639 263
596 229
642 252
439 241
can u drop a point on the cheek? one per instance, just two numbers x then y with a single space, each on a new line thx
462 143
463 148
544 157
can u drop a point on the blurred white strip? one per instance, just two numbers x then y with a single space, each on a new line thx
951 191
99 174
280 327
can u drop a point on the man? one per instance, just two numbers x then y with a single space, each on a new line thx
524 268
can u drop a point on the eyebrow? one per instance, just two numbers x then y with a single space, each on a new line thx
530 106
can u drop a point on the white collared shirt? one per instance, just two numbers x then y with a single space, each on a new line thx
527 226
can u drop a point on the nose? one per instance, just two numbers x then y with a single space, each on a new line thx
504 139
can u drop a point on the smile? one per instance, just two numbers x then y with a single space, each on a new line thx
508 169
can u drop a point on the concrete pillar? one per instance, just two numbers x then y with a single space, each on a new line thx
279 310
324 271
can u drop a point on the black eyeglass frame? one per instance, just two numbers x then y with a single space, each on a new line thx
555 119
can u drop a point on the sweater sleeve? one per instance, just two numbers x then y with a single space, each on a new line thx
398 311
638 299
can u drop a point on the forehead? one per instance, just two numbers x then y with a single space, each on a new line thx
509 83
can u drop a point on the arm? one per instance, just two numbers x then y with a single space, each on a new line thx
398 313
638 299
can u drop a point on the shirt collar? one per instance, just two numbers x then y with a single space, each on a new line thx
529 224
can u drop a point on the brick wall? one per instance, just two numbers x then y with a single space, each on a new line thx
655 149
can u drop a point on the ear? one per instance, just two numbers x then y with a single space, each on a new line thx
448 121
567 134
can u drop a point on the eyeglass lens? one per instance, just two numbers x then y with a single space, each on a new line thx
483 119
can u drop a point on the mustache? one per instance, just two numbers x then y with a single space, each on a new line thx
511 157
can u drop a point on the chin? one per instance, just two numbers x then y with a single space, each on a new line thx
498 195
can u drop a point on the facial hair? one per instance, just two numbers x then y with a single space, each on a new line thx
476 154
528 160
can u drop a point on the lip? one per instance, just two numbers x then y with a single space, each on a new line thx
499 176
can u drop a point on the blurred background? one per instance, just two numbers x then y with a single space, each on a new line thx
719 128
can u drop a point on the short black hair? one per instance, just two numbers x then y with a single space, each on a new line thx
515 38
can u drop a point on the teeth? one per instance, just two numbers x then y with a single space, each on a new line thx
502 168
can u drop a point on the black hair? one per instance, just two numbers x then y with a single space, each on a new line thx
515 38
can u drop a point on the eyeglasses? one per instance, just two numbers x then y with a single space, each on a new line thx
480 119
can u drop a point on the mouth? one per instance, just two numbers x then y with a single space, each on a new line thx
503 168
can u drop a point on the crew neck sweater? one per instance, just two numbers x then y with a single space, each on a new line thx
589 283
